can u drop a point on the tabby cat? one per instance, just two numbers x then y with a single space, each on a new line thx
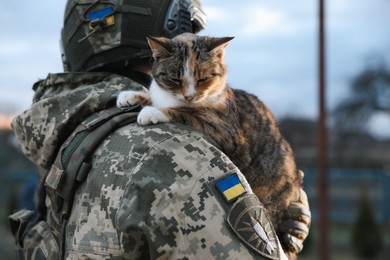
190 87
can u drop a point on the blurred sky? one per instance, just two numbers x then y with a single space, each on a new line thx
273 55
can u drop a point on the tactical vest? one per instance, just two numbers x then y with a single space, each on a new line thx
41 235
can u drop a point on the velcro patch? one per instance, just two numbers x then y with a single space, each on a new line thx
105 14
100 13
250 222
231 187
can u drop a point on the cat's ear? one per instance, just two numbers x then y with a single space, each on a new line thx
218 45
160 46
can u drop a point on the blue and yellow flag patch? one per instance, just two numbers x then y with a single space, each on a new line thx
105 14
100 13
231 187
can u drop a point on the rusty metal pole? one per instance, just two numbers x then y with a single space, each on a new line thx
322 139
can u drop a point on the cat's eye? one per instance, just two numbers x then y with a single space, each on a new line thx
177 81
175 84
162 74
203 80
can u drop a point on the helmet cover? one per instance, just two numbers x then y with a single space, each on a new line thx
101 33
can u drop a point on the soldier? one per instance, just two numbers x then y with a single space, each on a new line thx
147 192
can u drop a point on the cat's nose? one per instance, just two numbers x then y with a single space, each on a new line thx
189 97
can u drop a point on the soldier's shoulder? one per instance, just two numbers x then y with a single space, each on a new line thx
160 135
186 184
81 78
167 153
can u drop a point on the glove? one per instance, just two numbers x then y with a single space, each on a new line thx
296 223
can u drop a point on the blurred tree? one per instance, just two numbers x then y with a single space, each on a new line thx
367 240
370 93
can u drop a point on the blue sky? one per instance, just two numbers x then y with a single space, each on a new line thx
273 55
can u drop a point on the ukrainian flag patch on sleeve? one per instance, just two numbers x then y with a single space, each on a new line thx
231 187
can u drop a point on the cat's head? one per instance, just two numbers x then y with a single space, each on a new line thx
190 67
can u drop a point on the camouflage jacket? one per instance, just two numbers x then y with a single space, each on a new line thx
153 192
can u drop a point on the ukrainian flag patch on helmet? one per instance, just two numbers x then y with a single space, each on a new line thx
231 187
104 15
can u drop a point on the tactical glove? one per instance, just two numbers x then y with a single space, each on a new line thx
296 222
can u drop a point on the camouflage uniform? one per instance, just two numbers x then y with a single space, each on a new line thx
151 191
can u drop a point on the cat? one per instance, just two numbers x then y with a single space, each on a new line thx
190 87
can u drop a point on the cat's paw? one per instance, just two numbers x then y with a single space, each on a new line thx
151 115
126 98
131 98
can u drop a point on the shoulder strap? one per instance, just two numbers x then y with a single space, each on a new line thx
70 168
72 163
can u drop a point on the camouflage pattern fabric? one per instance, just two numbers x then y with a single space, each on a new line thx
61 102
149 193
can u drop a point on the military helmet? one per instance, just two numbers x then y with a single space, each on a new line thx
98 34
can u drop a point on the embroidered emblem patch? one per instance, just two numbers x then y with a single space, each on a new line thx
231 187
249 220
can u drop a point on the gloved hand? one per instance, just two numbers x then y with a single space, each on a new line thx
296 223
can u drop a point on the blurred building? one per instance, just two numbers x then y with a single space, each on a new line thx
347 187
